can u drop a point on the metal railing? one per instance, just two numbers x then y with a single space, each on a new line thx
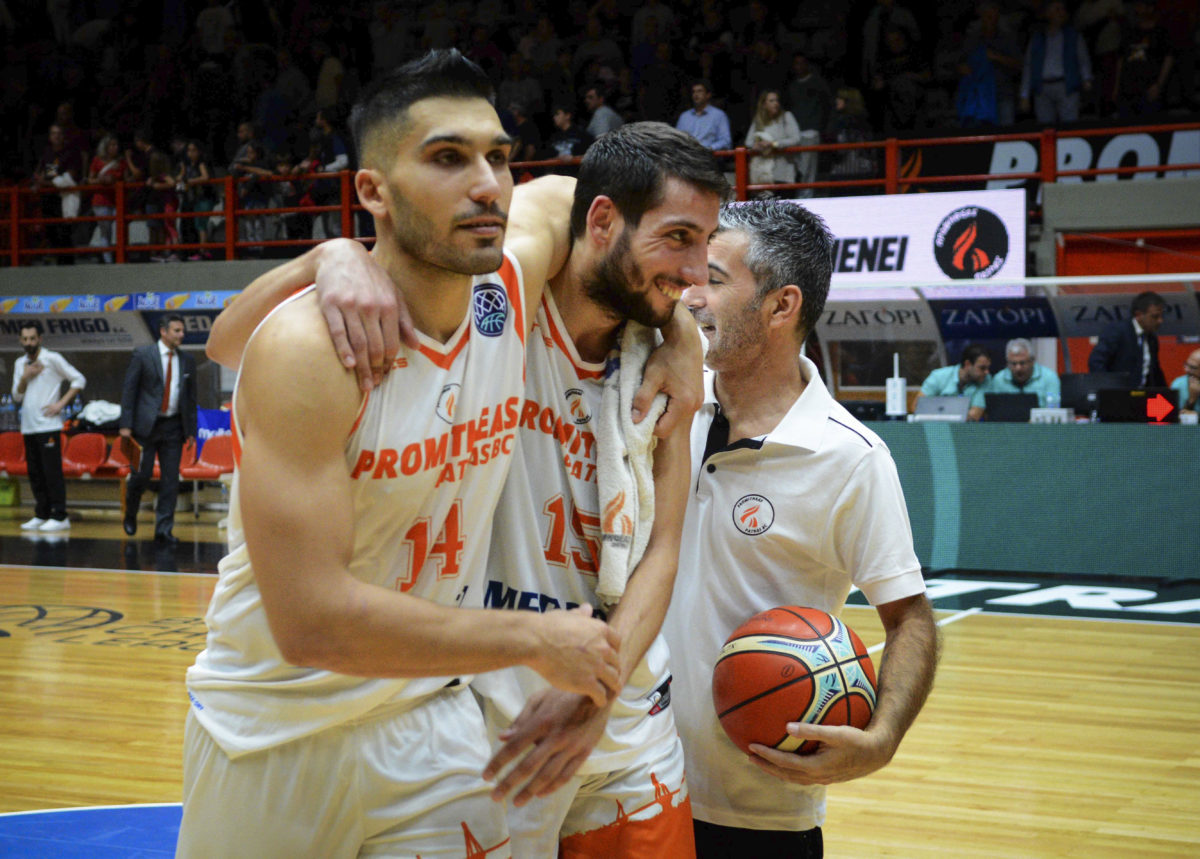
21 220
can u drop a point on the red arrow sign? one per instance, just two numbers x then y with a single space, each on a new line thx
1158 408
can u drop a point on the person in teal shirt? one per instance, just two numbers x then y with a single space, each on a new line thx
1188 385
1021 376
971 376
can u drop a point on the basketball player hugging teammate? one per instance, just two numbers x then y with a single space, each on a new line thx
666 216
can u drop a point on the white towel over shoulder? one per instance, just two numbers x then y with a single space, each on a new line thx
625 464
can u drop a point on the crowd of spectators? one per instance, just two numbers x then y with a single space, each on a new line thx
104 90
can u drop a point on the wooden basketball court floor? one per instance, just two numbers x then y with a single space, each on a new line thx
1068 734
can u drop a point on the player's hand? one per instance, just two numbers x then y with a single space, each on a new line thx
559 730
32 369
845 753
366 314
676 368
578 653
51 410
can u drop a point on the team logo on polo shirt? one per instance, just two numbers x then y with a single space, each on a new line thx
971 243
753 514
490 304
447 400
577 406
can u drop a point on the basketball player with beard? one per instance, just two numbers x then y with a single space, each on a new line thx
589 781
329 710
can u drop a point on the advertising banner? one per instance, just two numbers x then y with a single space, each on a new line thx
68 332
1137 149
995 319
877 320
1088 315
968 236
104 322
196 323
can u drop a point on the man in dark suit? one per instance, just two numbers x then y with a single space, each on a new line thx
158 410
1131 346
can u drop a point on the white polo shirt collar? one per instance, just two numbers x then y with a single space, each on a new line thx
806 421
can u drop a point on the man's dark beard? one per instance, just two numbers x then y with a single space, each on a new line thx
608 285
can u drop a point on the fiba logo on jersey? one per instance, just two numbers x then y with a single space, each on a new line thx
447 400
753 514
577 406
971 243
491 309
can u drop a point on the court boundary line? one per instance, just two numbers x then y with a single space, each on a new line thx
4 566
92 808
946 621
1036 616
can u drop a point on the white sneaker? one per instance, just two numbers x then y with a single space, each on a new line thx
55 525
32 525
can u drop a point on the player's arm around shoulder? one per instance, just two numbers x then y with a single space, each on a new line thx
539 232
363 311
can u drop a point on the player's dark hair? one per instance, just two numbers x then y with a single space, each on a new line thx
631 164
442 73
31 323
1144 301
788 245
164 322
972 354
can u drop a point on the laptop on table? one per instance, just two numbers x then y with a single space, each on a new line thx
1009 408
953 409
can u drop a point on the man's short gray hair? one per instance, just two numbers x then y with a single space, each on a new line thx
1018 344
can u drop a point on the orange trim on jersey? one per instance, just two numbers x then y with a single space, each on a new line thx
667 834
362 410
512 288
560 340
236 440
445 359
512 285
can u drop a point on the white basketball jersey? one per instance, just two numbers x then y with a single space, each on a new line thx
546 540
427 459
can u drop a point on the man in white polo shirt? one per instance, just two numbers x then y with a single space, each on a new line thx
38 376
830 515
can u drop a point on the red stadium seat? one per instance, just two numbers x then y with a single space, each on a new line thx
115 466
12 455
84 454
215 460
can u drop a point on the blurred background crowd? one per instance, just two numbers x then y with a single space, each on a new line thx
167 94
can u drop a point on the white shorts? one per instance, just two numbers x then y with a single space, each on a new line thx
400 782
639 812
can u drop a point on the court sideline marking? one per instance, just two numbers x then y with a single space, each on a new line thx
946 621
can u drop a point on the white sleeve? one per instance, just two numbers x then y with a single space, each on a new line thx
872 534
74 378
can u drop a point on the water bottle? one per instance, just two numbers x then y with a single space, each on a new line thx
1053 401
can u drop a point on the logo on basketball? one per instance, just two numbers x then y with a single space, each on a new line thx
490 305
447 401
577 406
753 515
971 243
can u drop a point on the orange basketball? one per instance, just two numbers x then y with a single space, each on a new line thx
791 664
